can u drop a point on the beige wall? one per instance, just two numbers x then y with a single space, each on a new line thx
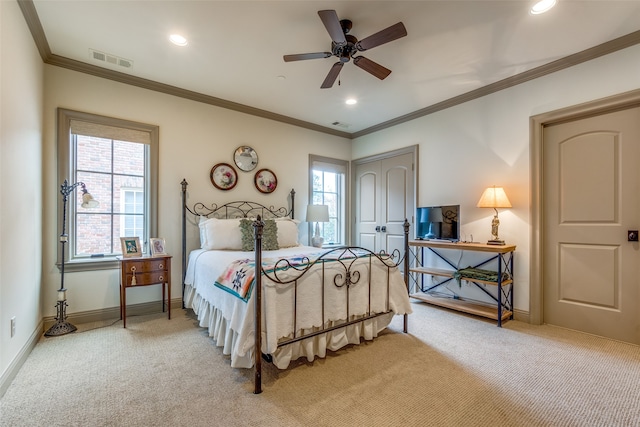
193 138
486 142
466 148
20 187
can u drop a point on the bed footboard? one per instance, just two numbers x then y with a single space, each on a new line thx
354 265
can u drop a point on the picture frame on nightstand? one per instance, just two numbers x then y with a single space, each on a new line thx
131 247
158 246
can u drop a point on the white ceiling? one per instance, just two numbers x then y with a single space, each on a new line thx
235 48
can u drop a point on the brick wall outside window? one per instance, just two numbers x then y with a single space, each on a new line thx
108 168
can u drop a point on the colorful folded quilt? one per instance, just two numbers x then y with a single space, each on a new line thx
238 277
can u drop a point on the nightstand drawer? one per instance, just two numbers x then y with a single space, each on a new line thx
151 278
146 265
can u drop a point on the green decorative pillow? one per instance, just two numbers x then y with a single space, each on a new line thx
269 235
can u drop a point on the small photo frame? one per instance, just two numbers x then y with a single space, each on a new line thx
157 246
223 176
131 247
265 181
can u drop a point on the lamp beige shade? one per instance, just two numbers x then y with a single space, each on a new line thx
317 213
494 197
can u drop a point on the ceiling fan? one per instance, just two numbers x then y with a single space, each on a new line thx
345 46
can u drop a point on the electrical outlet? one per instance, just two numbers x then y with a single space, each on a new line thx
13 326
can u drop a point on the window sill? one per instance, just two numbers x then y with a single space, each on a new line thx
106 263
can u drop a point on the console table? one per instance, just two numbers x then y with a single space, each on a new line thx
500 254
144 271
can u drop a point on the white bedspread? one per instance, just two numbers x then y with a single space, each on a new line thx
230 320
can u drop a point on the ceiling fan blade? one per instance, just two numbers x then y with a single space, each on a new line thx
371 67
387 35
332 76
301 56
332 24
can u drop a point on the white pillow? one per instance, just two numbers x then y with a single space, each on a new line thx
219 234
287 232
203 231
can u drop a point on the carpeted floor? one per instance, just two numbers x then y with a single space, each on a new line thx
450 370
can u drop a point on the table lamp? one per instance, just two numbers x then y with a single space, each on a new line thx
494 197
317 214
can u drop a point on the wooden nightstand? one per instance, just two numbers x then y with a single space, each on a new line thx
144 271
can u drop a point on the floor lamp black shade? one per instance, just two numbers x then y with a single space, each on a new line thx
62 327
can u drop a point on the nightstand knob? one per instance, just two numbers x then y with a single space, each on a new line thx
160 265
133 268
160 278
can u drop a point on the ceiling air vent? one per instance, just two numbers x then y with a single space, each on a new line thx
98 56
110 59
125 63
341 125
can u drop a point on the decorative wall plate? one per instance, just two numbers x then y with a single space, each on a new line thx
246 158
224 176
265 181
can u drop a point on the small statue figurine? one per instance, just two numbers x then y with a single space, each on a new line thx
494 227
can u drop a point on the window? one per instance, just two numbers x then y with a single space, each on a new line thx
328 178
132 207
117 161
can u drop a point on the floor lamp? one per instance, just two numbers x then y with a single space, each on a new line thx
62 327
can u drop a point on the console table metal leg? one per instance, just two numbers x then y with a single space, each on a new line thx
500 259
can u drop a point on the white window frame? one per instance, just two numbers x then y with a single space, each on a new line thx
123 192
66 170
328 164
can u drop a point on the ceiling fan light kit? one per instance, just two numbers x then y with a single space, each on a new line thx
344 46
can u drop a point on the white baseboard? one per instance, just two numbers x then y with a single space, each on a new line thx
519 315
112 313
15 365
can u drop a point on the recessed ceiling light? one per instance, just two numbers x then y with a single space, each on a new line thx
177 39
542 6
351 101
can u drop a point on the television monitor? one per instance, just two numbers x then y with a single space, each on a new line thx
438 223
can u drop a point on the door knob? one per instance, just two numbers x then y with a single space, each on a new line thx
378 228
383 229
632 235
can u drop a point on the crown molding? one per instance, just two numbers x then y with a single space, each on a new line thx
606 48
37 32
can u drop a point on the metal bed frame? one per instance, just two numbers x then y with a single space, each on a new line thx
345 255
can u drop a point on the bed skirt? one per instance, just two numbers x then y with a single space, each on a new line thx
242 349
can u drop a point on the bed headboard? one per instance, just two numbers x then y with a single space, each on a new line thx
237 209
